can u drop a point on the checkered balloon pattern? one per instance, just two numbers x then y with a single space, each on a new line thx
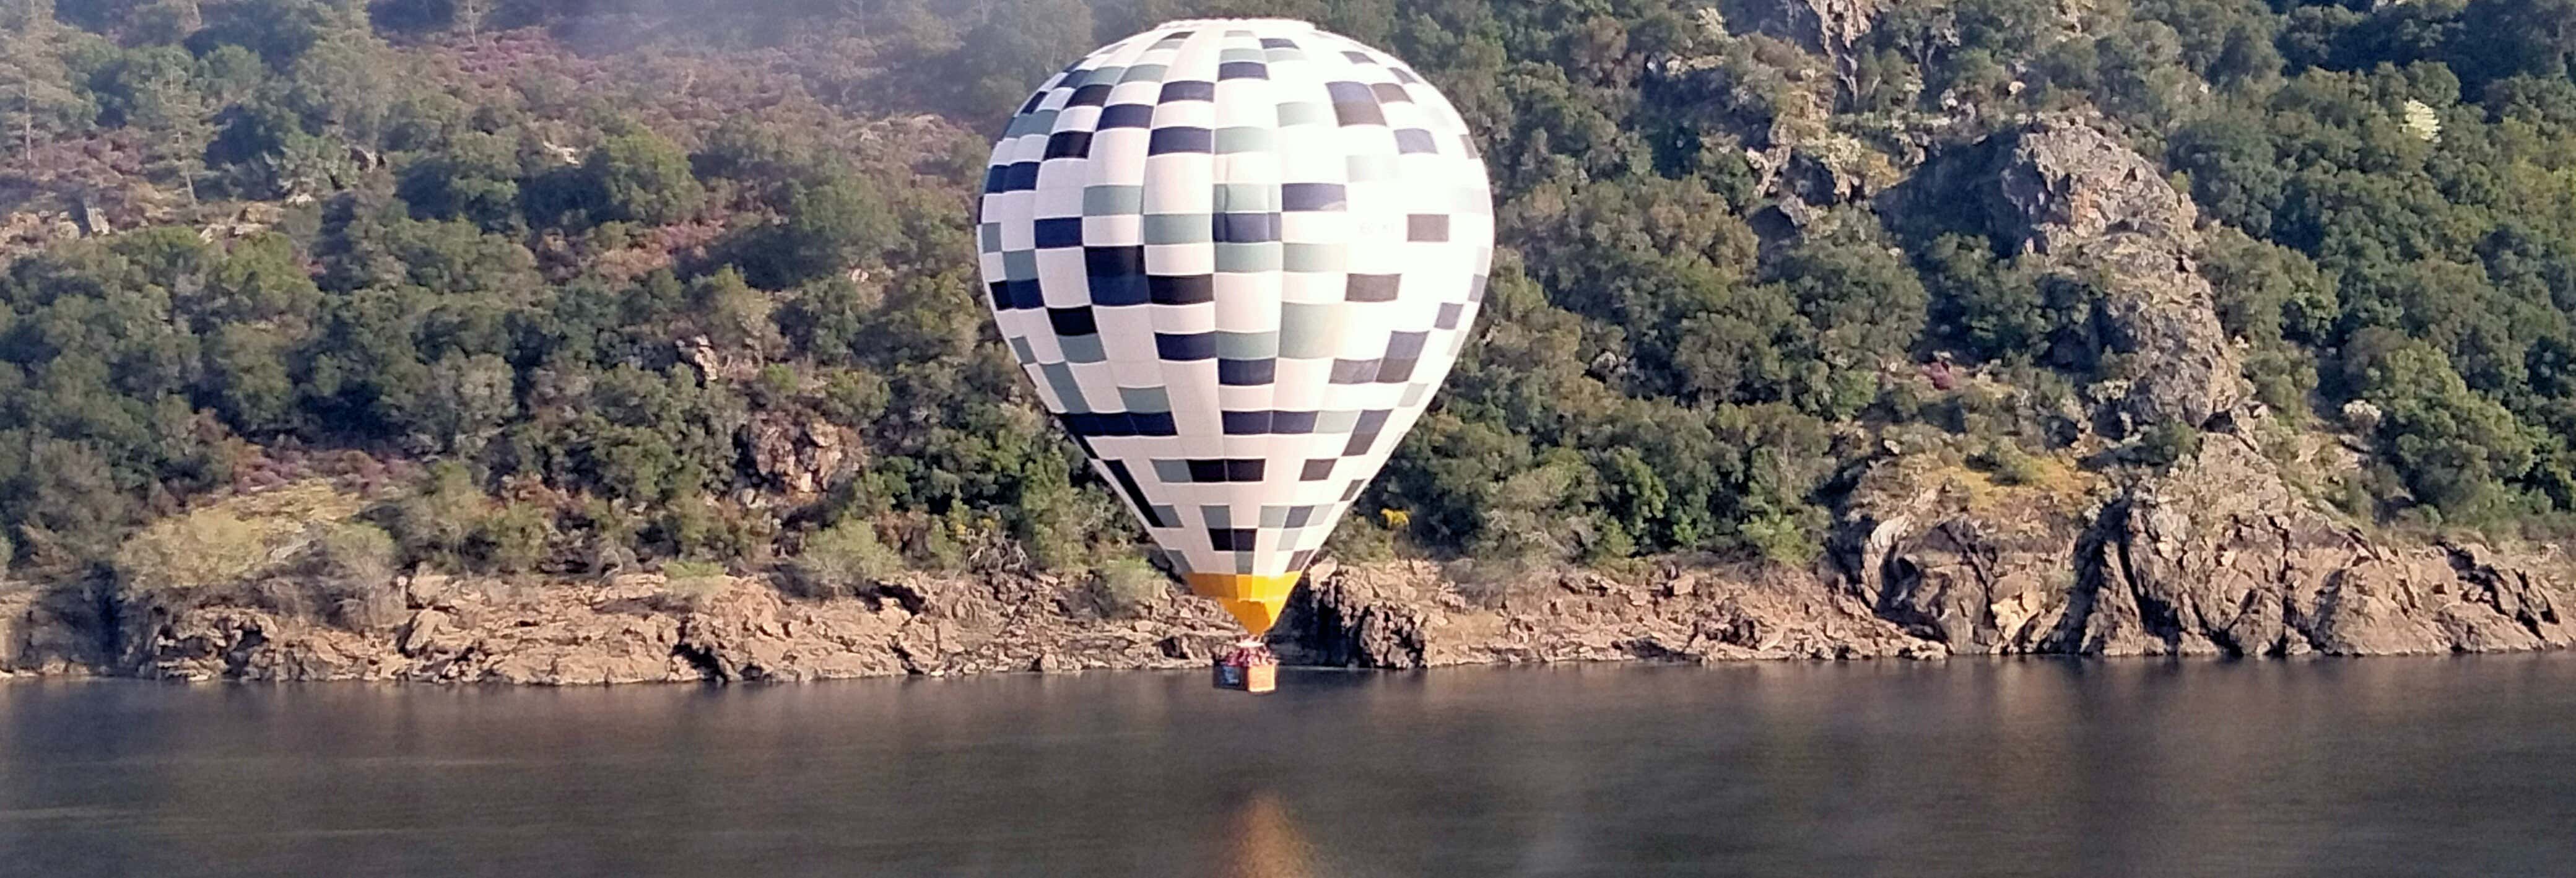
1236 257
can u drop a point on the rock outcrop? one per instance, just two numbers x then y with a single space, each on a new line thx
1407 615
1826 27
2060 184
639 628
2101 218
801 457
51 631
2216 555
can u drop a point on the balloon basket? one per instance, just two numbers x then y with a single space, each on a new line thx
1247 668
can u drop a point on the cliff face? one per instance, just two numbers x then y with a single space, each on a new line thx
2217 554
2218 557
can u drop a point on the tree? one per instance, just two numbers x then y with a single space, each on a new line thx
731 313
154 90
469 17
2267 292
1864 307
2455 449
638 176
165 21
1010 54
67 495
247 378
344 84
278 31
827 228
2234 170
475 177
34 78
470 398
2533 37
1982 306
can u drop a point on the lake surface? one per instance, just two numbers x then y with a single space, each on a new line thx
2043 768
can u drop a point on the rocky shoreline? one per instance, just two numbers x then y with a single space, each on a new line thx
1937 595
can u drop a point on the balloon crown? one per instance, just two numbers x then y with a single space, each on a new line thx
1208 22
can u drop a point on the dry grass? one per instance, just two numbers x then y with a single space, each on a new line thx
234 540
297 549
2041 482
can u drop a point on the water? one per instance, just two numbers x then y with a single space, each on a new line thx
2042 768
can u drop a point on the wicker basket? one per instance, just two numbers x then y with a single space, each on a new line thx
1241 678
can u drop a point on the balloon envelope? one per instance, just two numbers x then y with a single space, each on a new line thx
1236 257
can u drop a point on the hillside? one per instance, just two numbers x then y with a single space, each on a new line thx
1818 327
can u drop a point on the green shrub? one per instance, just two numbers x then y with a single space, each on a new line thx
690 567
207 548
435 522
844 559
1360 539
641 177
1791 540
355 552
2009 465
1126 587
511 539
686 526
612 534
2168 443
938 543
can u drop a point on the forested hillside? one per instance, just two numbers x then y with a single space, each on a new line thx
558 288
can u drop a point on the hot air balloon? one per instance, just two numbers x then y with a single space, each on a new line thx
1236 258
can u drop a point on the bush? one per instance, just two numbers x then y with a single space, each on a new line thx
511 539
433 524
355 562
937 543
2010 465
356 553
211 547
1359 539
641 177
2168 443
1790 540
612 534
845 558
828 228
684 525
1126 587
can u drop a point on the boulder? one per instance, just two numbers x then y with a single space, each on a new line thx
2060 182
